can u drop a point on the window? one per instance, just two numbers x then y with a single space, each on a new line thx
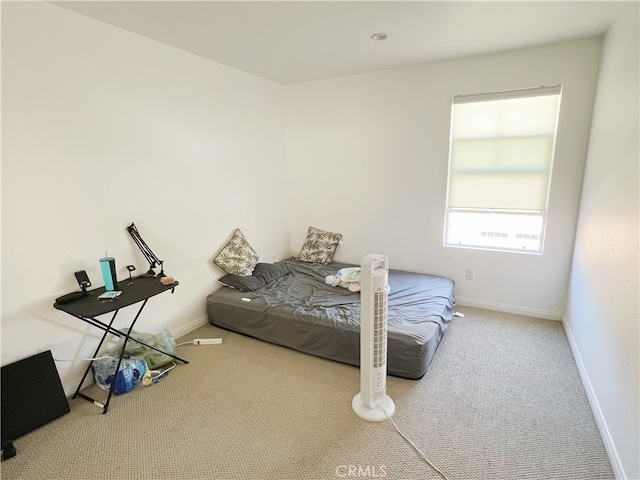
500 163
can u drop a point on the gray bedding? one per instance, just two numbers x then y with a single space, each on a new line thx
300 311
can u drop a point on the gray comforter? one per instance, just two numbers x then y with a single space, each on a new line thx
300 311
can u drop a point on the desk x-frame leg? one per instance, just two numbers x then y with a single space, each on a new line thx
110 329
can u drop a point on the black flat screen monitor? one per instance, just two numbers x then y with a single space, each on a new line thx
32 395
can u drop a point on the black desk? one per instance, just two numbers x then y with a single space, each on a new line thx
87 308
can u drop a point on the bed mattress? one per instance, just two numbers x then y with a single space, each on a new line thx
300 311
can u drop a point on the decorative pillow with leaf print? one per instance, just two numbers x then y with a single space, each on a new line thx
319 246
237 257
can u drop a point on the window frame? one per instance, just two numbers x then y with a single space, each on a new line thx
502 95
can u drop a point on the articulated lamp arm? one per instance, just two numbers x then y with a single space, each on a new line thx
151 257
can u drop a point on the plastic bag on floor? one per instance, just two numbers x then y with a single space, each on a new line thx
133 371
164 341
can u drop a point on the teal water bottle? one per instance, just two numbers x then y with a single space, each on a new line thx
108 268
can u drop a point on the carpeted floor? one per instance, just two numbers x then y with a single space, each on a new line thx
502 400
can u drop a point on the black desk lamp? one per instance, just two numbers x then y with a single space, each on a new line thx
151 257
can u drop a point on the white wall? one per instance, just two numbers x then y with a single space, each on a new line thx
603 302
368 158
102 128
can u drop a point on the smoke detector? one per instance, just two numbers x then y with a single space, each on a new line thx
379 36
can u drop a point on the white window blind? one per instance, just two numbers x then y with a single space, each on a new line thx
500 162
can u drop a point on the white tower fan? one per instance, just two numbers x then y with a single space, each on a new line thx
372 403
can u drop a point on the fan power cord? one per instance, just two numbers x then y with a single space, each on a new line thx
424 457
80 358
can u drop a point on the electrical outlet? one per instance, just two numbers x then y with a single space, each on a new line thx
468 273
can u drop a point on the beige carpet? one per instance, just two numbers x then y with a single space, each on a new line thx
501 400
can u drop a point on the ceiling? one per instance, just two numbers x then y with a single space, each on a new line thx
299 41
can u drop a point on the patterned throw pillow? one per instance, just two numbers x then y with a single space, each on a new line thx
237 257
319 246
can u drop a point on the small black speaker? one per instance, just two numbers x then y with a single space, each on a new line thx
32 395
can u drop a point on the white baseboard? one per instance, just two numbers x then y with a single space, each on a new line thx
71 385
190 327
609 446
503 307
70 388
